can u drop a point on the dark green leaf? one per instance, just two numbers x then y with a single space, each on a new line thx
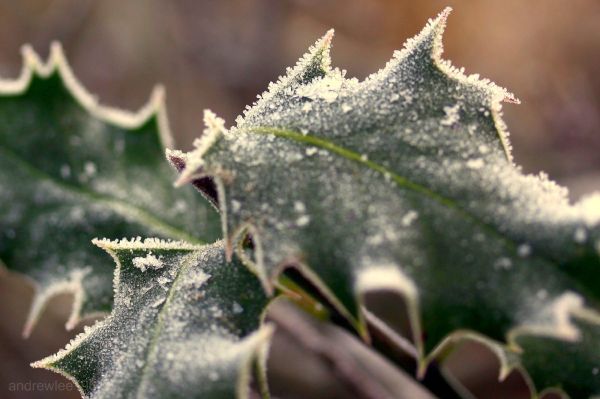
185 325
72 170
405 181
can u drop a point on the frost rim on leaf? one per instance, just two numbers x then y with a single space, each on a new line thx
258 342
34 66
57 63
196 168
560 311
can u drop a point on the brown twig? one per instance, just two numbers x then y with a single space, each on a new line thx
343 366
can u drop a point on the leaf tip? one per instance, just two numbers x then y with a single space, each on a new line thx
437 27
229 248
41 364
72 285
326 40
182 180
57 54
158 94
27 329
322 47
177 159
31 60
213 130
101 243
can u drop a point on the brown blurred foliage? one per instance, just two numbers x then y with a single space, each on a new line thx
220 54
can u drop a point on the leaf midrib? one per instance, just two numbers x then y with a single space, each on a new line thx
398 179
121 207
160 319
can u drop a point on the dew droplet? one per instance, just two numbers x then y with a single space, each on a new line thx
475 163
409 218
180 206
299 206
503 263
307 107
65 171
213 376
524 250
235 206
484 149
580 235
541 294
311 151
237 308
89 168
303 220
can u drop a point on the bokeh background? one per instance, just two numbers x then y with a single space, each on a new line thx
220 54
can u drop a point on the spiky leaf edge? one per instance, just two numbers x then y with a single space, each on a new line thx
34 67
393 279
260 340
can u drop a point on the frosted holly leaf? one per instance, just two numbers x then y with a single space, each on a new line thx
70 170
405 181
184 325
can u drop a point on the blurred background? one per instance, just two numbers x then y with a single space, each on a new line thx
220 54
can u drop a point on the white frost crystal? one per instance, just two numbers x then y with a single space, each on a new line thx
89 168
237 308
303 220
326 88
452 115
524 250
147 262
409 218
476 163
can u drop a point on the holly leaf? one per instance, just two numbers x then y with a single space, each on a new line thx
71 169
405 181
184 325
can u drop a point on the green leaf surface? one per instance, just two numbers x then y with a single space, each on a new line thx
72 170
184 325
404 181
560 366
